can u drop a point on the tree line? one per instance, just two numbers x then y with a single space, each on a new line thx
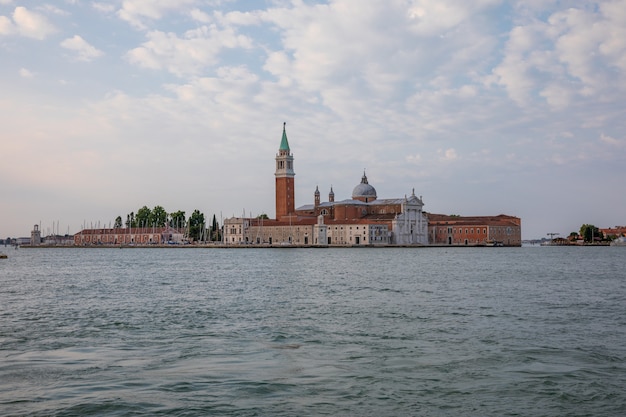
195 227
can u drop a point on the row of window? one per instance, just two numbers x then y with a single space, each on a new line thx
452 230
494 230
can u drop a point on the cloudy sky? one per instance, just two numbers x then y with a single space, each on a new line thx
483 107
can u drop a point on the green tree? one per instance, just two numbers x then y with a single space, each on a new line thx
177 219
262 216
142 218
158 217
130 220
196 224
118 222
215 230
589 232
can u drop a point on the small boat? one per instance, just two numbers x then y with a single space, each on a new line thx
3 255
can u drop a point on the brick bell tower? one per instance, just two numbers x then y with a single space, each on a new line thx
284 179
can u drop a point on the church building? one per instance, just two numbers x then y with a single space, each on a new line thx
362 219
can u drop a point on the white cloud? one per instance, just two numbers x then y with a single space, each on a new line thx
50 9
279 64
196 50
362 58
577 52
84 51
239 18
103 7
513 71
448 155
414 159
427 17
136 12
32 24
557 96
610 140
24 73
6 26
200 16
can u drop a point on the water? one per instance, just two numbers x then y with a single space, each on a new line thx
533 331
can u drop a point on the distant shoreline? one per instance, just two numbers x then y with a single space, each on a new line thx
251 246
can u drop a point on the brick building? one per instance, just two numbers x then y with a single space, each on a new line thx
499 230
614 232
128 236
362 219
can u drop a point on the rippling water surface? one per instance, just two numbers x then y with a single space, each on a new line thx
536 331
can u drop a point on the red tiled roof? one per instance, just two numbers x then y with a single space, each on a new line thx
500 220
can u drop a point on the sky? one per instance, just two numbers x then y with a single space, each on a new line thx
483 108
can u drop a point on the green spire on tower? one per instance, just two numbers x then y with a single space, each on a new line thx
284 144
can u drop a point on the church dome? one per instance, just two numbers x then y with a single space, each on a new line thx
364 190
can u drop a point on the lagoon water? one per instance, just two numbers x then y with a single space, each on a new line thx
531 331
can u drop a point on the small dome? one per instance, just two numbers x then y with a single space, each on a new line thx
363 189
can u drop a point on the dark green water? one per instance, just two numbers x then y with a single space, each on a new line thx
538 331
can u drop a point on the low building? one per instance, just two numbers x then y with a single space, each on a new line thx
21 241
305 232
240 230
501 230
129 236
614 232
